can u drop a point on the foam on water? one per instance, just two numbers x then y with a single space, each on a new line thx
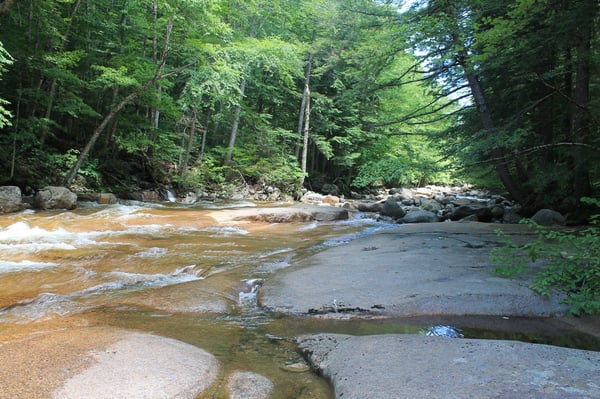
24 265
21 237
154 252
47 304
225 230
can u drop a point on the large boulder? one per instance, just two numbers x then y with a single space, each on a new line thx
430 205
483 213
420 216
369 206
392 209
10 199
54 197
548 217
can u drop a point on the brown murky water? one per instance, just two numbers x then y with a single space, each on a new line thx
166 269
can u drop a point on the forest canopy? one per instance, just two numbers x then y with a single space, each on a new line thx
360 93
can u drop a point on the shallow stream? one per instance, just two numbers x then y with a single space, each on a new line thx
175 271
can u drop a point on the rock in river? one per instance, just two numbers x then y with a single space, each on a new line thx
143 366
420 367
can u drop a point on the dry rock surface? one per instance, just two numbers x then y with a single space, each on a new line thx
440 270
421 367
415 269
248 385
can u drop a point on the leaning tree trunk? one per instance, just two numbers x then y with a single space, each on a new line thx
500 163
117 108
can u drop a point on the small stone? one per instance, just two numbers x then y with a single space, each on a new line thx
296 367
247 385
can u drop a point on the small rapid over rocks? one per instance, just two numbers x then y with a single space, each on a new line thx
187 272
88 293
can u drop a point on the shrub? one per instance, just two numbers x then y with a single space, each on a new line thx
571 262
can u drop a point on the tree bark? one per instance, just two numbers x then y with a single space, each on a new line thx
305 95
204 134
117 108
305 133
236 124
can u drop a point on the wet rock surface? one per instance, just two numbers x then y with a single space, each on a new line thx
415 366
98 363
143 366
54 197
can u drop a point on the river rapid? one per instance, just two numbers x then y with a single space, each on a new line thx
171 270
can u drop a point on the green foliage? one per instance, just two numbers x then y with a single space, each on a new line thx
571 262
62 164
207 175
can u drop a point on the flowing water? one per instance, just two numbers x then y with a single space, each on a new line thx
176 271
168 269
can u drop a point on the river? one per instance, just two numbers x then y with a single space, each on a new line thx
175 270
168 269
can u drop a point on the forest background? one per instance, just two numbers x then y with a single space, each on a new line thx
114 94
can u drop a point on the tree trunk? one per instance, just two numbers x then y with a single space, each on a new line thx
236 124
500 164
305 133
117 108
305 95
204 134
581 95
190 142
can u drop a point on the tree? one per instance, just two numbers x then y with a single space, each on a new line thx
5 59
118 107
516 87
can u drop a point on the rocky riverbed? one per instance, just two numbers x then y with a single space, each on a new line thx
437 270
441 270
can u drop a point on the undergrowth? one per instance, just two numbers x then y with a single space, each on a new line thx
571 262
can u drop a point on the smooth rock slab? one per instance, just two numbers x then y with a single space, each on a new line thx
415 366
415 270
247 385
143 366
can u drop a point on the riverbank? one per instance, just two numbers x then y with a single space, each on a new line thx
442 270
